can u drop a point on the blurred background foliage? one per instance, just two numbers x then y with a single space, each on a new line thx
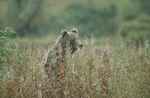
7 47
97 17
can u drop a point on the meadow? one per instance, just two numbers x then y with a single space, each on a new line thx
104 68
113 63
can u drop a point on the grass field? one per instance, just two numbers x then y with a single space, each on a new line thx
104 68
114 61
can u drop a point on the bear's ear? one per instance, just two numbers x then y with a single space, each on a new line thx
64 32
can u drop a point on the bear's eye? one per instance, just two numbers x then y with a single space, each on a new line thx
74 31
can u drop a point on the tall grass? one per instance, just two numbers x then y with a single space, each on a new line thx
104 68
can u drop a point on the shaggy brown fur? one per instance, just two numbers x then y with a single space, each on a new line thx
67 42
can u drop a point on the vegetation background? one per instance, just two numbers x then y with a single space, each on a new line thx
115 60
